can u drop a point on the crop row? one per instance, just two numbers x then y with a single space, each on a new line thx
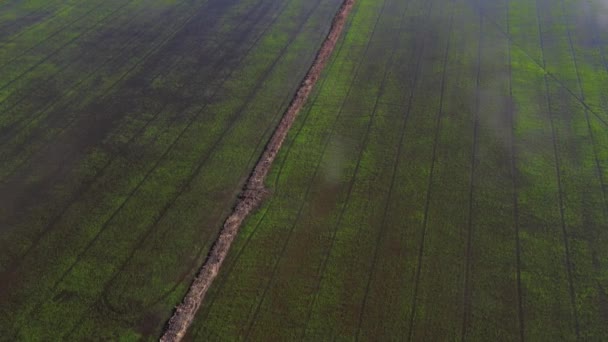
115 177
445 181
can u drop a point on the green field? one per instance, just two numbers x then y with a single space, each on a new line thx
446 179
445 182
127 129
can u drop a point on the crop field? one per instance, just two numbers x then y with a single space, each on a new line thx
127 128
445 181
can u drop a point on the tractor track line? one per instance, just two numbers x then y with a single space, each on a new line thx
559 183
598 167
11 37
182 25
104 92
514 184
5 138
597 37
151 171
223 278
336 227
10 269
240 252
550 74
8 3
46 39
430 183
268 284
582 93
101 171
7 132
600 44
103 298
396 164
467 293
254 191
21 97
165 209
325 259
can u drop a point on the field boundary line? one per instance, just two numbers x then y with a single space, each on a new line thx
325 259
514 183
553 76
558 175
103 295
48 8
46 80
381 233
468 268
103 93
412 317
254 190
231 266
321 270
80 34
101 170
598 166
145 178
151 227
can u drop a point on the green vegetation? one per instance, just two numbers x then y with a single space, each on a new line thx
127 129
445 181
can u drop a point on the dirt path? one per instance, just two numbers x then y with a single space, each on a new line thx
254 191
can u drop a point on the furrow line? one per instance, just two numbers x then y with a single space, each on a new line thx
284 247
254 190
68 65
514 184
63 45
103 297
102 170
429 185
185 184
548 73
233 262
598 166
467 293
266 288
150 172
16 35
559 182
107 91
323 265
118 81
89 183
394 173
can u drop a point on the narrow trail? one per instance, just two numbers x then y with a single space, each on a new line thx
254 191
